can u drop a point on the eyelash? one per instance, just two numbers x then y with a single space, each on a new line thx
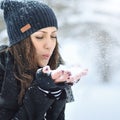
53 37
43 37
39 37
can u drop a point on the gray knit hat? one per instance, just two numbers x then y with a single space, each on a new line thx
26 17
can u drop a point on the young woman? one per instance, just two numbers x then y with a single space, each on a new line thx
32 86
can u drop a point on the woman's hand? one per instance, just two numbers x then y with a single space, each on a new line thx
64 75
74 78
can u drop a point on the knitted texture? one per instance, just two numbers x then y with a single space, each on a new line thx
26 17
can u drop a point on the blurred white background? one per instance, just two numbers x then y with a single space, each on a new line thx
89 32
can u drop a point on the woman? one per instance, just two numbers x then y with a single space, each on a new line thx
32 88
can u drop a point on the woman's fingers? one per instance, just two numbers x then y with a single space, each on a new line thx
46 69
61 77
56 74
76 78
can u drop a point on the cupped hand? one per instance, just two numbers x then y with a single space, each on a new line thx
65 75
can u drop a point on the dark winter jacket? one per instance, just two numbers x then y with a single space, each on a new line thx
35 102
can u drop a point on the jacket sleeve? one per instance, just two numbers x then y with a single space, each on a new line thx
45 82
35 103
24 112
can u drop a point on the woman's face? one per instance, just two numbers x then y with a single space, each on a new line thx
44 42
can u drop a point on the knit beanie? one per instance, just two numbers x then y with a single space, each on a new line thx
26 17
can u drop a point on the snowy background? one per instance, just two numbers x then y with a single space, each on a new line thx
89 35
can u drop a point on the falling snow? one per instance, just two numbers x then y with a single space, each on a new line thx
89 36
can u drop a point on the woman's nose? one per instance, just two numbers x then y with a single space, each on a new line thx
48 43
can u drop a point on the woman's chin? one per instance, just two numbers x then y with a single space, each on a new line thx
43 64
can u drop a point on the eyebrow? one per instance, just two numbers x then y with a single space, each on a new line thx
46 32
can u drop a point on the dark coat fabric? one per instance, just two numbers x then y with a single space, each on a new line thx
36 104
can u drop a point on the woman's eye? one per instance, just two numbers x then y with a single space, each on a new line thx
39 37
54 37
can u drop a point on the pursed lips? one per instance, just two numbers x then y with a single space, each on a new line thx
46 56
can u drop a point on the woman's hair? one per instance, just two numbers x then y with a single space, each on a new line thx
24 57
